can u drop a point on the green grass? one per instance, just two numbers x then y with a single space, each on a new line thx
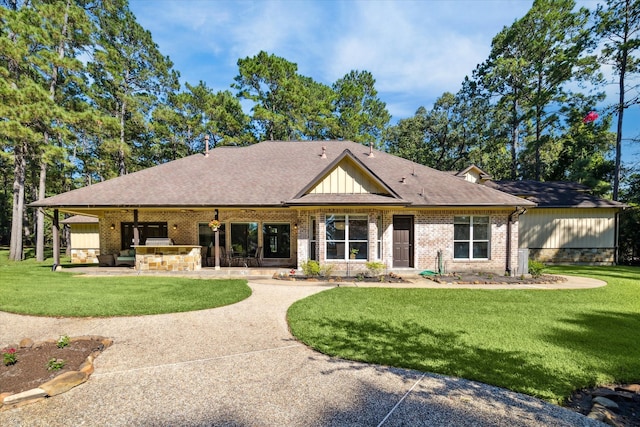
29 287
544 343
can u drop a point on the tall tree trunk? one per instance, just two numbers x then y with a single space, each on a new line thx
19 171
40 212
623 70
514 141
538 131
43 163
122 168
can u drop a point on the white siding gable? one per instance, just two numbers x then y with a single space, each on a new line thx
347 178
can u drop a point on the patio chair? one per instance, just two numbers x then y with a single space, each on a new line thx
225 259
203 253
257 257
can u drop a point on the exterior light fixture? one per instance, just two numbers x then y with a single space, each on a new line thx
175 226
113 226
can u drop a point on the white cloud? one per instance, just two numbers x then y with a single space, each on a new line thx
415 49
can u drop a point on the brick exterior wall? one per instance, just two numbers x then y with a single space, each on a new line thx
186 226
433 232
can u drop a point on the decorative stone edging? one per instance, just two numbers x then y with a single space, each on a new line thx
58 385
606 402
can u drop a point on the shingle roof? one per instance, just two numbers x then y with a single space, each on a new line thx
554 194
462 172
80 219
272 173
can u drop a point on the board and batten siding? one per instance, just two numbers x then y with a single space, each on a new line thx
85 236
567 228
85 243
346 178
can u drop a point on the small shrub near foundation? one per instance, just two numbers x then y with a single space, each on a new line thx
375 268
326 270
536 268
310 268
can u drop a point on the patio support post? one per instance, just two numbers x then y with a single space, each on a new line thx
56 238
136 231
217 248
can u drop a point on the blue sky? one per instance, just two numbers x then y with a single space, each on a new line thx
416 50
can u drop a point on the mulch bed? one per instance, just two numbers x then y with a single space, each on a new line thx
494 279
385 278
452 278
30 370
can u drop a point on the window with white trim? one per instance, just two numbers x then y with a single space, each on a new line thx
313 239
379 242
471 237
347 237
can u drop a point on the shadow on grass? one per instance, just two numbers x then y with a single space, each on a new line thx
615 272
412 346
48 265
608 340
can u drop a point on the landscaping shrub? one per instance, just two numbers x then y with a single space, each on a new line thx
311 268
375 268
326 270
536 268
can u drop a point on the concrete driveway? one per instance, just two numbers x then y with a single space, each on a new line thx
239 366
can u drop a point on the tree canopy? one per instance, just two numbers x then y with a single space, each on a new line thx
87 95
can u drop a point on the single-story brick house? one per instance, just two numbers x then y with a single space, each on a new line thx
569 225
337 202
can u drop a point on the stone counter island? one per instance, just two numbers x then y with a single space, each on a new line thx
168 258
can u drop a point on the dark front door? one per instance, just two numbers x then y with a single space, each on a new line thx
402 241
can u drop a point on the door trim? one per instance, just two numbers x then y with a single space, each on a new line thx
404 218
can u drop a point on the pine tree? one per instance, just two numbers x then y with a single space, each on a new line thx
618 26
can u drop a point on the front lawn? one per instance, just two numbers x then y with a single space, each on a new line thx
542 343
29 287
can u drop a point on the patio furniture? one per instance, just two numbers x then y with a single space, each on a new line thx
203 253
225 258
257 257
126 257
238 259
106 260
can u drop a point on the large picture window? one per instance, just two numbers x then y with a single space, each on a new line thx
347 237
244 238
471 237
276 240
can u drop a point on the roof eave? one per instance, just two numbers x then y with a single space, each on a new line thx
347 203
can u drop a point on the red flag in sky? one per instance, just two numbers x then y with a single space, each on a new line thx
592 116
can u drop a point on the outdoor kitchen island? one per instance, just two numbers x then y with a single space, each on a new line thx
168 257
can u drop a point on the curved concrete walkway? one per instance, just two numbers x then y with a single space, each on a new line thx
239 366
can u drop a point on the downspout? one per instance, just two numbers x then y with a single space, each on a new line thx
616 237
519 211
56 239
